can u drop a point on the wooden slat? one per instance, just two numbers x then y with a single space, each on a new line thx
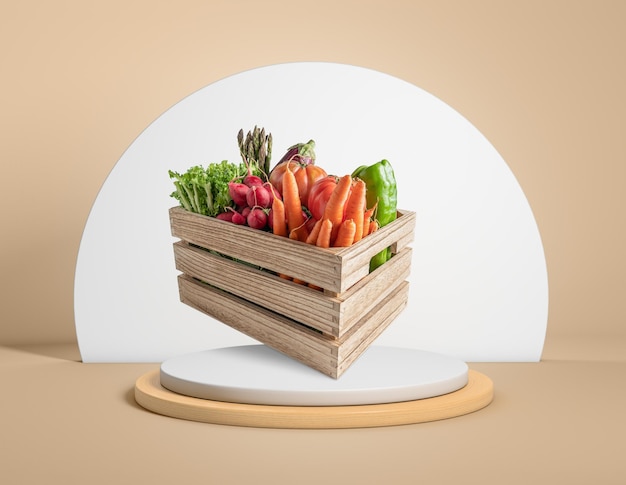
355 259
331 315
305 345
371 290
326 330
334 269
368 329
295 301
305 261
272 329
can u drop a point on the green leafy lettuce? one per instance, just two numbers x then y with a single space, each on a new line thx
205 190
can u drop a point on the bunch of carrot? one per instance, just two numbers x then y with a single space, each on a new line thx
346 218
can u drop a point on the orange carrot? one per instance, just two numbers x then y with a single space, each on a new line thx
366 220
323 238
279 224
336 203
372 226
293 207
345 235
355 207
312 237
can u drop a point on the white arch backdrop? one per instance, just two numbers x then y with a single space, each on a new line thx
479 288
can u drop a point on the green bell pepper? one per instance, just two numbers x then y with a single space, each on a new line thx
381 189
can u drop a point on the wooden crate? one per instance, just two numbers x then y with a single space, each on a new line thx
230 273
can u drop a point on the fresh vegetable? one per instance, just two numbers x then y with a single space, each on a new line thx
296 199
381 190
279 224
319 194
323 239
238 193
367 220
345 234
256 149
334 210
306 175
293 208
258 196
257 218
355 208
300 153
206 190
314 232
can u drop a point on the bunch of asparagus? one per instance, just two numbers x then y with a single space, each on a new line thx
256 148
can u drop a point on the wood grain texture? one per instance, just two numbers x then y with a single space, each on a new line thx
331 314
476 395
334 269
330 356
231 273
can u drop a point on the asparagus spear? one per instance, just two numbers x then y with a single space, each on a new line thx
256 148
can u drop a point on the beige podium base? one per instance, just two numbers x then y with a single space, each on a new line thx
477 394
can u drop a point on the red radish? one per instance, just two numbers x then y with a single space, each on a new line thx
238 192
238 219
245 211
252 180
257 219
225 216
258 196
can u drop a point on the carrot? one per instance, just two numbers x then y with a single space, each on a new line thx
336 203
312 237
373 226
345 234
355 207
293 207
323 238
366 220
279 224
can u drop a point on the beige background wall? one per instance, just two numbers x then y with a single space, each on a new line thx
543 80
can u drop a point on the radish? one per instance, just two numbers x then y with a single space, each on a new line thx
252 180
258 196
245 211
257 218
225 216
238 219
238 192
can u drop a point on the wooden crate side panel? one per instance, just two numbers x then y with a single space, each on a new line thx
295 301
297 259
331 315
269 328
361 298
363 345
362 335
334 269
355 259
331 357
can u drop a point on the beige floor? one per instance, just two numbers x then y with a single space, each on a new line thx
557 421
